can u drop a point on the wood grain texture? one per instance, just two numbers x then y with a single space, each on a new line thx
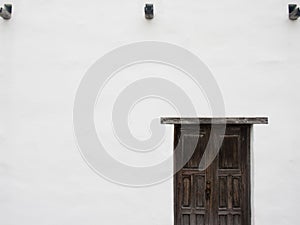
221 193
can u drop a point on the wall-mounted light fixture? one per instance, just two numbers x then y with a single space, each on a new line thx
149 11
5 11
294 12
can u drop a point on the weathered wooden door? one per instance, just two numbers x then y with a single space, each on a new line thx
220 195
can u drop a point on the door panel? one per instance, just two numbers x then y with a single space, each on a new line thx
193 205
227 179
231 171
199 191
190 202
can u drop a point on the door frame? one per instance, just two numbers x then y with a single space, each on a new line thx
249 176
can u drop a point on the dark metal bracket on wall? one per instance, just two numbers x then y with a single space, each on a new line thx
294 11
6 11
149 11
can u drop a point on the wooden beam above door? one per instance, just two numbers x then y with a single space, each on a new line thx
214 120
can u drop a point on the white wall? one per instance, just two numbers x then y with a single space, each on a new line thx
251 48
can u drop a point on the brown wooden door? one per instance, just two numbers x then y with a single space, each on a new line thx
220 195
